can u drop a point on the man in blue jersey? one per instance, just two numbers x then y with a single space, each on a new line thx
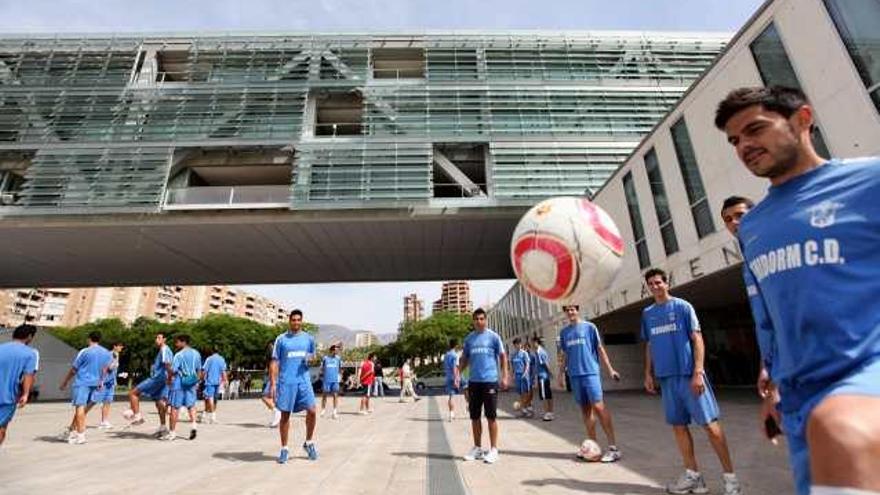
453 376
18 365
213 375
674 354
812 253
107 392
521 364
182 382
330 367
154 387
291 385
90 368
483 353
542 378
582 350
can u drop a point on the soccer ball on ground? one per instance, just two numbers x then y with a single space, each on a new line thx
590 451
516 405
128 414
566 250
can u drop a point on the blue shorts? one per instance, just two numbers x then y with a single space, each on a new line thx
587 389
154 388
330 387
864 381
451 389
104 395
523 384
7 411
183 397
294 397
210 392
81 395
682 407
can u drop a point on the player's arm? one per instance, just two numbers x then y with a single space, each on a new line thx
505 370
765 334
27 383
273 376
67 378
603 355
698 384
224 378
560 377
649 369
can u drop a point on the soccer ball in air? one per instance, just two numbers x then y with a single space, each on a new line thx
566 250
590 451
517 406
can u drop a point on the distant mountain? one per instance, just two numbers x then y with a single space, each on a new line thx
331 334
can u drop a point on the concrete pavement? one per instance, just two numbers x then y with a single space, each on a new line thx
399 449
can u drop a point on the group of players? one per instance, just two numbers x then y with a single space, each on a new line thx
811 264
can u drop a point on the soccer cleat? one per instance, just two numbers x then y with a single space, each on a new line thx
731 486
491 456
282 456
612 455
311 450
474 454
688 483
192 434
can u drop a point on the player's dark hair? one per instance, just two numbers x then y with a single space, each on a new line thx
575 306
653 272
118 342
332 347
778 99
24 331
182 338
736 200
295 312
478 312
538 340
453 343
517 341
95 336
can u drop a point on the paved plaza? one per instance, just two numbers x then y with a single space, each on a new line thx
400 449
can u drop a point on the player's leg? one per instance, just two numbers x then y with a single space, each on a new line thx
843 436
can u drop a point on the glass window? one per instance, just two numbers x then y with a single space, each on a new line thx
635 221
693 182
776 70
661 202
858 22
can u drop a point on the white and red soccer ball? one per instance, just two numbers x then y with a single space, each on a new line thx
566 250
590 451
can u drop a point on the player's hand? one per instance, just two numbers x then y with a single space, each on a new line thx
62 386
649 384
271 391
769 412
763 383
22 401
457 383
698 384
615 375
505 382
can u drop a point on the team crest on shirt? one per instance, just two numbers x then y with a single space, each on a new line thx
824 214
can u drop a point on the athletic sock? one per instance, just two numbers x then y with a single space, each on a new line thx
729 476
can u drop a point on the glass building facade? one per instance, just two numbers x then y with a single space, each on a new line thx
131 123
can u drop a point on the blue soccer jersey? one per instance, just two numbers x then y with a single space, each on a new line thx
331 366
214 367
16 360
450 362
163 357
520 362
89 364
187 362
533 364
542 363
812 252
667 327
482 350
293 351
112 372
580 343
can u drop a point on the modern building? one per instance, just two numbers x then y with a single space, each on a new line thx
72 307
455 297
365 339
413 308
200 159
666 198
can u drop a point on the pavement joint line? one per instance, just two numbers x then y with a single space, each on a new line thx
443 476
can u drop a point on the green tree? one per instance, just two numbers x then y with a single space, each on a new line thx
430 337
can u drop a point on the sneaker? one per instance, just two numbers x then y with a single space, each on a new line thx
451 417
282 456
611 455
77 439
311 450
276 419
65 434
160 432
335 415
169 437
370 411
474 454
731 486
491 457
137 420
192 434
548 416
362 412
322 412
688 483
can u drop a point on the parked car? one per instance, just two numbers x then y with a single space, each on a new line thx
431 379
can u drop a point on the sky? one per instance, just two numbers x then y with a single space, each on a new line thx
371 306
